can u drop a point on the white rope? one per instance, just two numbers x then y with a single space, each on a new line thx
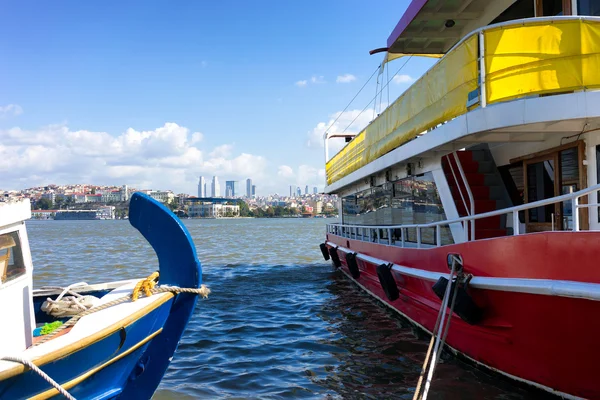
442 331
70 305
41 373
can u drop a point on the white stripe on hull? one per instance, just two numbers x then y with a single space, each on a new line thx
547 287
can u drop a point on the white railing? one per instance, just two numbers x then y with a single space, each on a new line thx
470 210
374 233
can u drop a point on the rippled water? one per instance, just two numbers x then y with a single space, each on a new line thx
280 323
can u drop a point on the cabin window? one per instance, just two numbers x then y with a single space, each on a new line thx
588 7
11 257
409 201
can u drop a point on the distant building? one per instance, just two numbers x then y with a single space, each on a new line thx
299 191
306 190
213 210
124 193
232 189
248 187
315 190
164 196
253 191
215 188
201 187
291 191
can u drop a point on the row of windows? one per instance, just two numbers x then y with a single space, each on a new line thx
412 200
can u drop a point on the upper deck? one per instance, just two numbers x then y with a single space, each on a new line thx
518 59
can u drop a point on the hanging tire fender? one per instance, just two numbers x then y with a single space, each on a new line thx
352 265
335 257
387 281
324 251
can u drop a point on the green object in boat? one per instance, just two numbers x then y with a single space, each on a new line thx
51 327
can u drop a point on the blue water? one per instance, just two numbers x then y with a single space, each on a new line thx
280 322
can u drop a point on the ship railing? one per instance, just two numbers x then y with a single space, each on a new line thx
383 233
493 64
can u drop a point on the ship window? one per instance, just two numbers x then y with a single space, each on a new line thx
588 7
409 201
11 257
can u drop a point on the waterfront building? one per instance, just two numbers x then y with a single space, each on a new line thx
124 192
213 210
164 196
215 188
201 187
248 187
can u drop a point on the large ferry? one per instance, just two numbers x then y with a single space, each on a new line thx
485 172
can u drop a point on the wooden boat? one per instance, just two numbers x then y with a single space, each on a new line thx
120 348
490 163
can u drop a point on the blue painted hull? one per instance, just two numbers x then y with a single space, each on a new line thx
128 362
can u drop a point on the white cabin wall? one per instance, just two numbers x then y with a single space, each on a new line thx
592 139
504 152
16 296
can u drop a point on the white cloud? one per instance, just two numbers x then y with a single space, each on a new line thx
10 110
400 79
285 171
343 124
197 137
313 80
163 158
346 78
304 175
222 151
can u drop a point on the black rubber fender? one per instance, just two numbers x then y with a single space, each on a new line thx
335 257
464 305
352 265
324 251
387 281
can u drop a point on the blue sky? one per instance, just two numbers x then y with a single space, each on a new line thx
155 93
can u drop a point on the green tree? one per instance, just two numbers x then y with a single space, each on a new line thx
43 204
244 209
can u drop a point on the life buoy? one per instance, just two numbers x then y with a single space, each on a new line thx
352 265
387 281
335 257
324 251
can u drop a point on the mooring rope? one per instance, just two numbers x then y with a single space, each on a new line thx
145 285
442 329
41 373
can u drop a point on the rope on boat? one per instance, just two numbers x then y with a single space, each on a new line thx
66 306
438 340
41 373
146 285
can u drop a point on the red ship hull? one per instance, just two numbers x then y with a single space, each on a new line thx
544 339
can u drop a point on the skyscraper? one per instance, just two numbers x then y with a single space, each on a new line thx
253 190
201 187
248 187
291 191
232 189
306 190
215 188
299 191
315 190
